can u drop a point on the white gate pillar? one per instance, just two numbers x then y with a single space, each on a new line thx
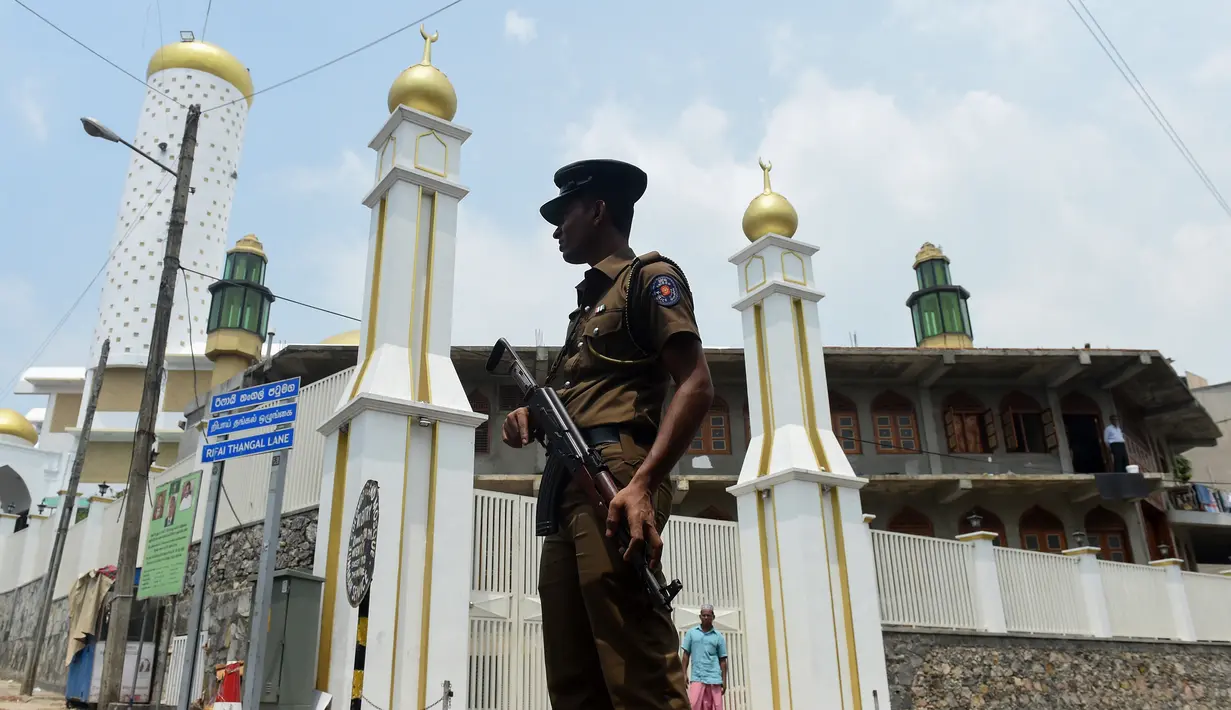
405 423
814 627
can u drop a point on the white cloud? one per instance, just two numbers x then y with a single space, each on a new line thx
1000 23
1215 70
518 27
350 174
1039 219
28 102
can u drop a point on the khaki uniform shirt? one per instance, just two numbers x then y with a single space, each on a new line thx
608 380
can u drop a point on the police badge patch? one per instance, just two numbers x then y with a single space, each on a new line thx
666 290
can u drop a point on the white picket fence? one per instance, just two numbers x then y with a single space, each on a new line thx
930 583
506 642
174 671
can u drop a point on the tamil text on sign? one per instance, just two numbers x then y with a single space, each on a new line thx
170 533
253 419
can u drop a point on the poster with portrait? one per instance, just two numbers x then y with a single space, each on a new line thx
168 538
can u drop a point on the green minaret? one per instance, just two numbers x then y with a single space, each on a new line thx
938 307
239 311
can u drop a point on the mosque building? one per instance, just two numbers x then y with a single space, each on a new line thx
949 436
179 74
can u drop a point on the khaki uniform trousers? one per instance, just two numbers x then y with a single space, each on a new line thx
605 646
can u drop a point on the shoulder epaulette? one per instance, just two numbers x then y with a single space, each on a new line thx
635 298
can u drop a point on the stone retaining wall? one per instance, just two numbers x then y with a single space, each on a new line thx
929 670
18 625
233 560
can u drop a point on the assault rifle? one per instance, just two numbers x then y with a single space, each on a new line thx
568 452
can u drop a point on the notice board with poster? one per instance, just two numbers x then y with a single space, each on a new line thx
170 533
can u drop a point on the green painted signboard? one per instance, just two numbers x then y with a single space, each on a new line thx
170 534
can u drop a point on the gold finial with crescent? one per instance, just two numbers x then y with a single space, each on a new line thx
427 43
766 166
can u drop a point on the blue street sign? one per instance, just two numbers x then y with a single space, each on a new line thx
249 446
252 419
261 394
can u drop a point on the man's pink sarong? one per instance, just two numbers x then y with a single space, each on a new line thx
703 696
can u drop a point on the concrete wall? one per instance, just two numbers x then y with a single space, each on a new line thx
18 626
929 670
1213 464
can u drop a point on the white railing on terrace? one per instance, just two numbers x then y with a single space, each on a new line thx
1137 602
1041 592
924 581
1209 602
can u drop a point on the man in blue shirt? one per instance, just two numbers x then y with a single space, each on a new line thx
705 650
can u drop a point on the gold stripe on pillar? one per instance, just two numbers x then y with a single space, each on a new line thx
786 641
373 304
427 566
767 591
414 292
805 382
397 603
332 553
767 400
425 381
844 580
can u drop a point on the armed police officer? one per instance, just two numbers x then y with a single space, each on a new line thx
634 331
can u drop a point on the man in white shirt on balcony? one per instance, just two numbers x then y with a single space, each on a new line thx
1114 438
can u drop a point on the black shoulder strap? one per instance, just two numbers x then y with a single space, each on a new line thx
637 299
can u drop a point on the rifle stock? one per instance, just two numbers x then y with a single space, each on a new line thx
569 453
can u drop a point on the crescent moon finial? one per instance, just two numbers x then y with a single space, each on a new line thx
766 166
427 43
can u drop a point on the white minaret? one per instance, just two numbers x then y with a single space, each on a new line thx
188 72
814 630
404 424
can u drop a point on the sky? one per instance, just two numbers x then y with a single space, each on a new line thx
997 129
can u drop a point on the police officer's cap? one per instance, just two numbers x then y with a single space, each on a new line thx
611 180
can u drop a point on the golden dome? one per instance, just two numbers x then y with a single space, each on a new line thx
249 245
350 337
14 424
769 213
928 252
424 87
206 57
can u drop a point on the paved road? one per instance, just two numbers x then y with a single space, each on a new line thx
11 699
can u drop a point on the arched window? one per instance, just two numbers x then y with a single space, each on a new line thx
1042 531
845 419
714 436
1028 428
896 430
912 522
988 521
1107 531
480 405
970 427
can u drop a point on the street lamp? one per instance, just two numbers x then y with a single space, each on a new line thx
975 520
98 130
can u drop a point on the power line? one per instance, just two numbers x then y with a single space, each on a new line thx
283 298
1148 101
331 62
87 48
64 319
205 26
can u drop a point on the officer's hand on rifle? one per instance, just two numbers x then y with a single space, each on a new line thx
517 432
633 503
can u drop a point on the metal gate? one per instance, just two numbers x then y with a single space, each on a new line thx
506 639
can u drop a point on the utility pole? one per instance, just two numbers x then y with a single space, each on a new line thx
66 516
147 417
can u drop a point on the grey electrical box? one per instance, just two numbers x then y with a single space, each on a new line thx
289 676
